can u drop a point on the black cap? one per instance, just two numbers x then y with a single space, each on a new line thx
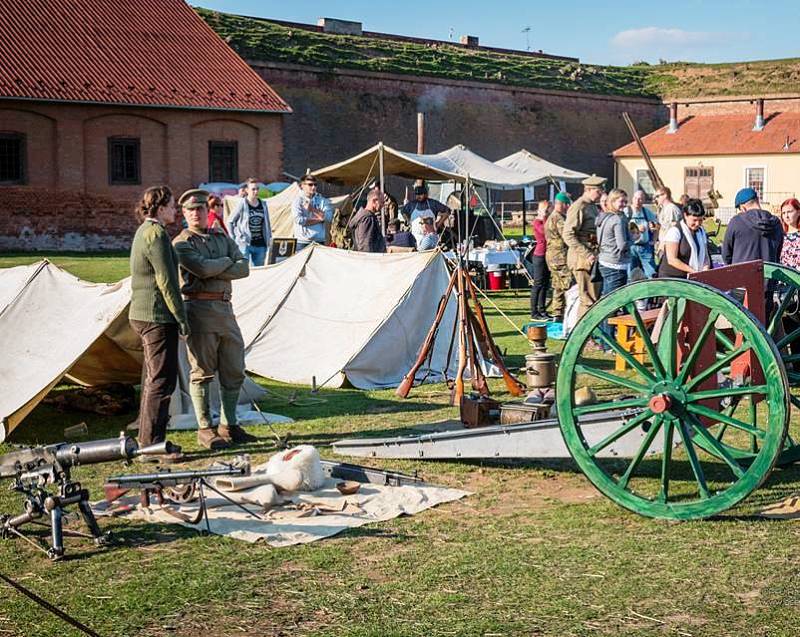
420 190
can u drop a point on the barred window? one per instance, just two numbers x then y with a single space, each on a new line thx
13 163
124 159
223 161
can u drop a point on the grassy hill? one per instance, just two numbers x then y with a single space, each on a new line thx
256 39
260 39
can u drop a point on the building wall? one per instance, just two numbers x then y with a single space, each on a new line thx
68 203
339 113
782 175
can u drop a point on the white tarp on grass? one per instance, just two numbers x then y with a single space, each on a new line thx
342 316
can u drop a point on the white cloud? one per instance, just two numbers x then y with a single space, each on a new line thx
674 44
634 38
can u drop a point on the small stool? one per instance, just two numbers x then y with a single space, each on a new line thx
628 336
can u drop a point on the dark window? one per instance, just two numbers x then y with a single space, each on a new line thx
124 159
12 159
223 161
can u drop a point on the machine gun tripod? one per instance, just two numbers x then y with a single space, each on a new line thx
33 470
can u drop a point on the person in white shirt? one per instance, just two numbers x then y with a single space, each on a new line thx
669 215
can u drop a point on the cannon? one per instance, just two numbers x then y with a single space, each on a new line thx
706 370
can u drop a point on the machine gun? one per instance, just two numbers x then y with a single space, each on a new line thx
177 487
33 470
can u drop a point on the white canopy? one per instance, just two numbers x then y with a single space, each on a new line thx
538 170
340 316
454 164
54 325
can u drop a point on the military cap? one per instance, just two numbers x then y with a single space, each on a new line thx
422 189
194 198
563 198
308 178
594 180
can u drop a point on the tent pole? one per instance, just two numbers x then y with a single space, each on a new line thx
523 212
383 192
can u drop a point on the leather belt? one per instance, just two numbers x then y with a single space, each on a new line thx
205 296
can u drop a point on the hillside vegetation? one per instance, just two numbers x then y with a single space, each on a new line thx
256 39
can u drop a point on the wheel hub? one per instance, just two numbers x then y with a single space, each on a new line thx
667 396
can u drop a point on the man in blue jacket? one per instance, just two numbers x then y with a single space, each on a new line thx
753 233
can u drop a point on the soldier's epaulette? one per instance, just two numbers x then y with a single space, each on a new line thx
183 235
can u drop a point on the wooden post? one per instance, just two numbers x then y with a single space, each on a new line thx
383 196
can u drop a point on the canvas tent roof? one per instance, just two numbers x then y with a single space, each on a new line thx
454 164
340 316
537 170
52 325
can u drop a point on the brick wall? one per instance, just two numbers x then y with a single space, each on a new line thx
337 114
68 203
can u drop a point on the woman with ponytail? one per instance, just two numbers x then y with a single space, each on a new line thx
156 312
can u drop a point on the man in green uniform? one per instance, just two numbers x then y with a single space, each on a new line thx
556 255
209 260
580 236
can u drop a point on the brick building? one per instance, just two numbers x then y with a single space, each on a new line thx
719 145
100 99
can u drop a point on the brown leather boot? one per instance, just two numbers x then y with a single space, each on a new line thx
208 438
235 435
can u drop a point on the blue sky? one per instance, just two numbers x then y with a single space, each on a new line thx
597 32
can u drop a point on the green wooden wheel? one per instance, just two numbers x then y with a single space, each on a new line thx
662 479
783 326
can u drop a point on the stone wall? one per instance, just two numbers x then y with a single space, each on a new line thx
67 202
337 114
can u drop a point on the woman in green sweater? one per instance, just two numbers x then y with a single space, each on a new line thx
156 312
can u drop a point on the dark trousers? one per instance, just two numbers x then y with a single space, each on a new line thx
541 281
159 377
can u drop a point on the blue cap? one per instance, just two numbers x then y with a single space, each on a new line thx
744 195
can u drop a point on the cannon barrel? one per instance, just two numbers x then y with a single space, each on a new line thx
94 451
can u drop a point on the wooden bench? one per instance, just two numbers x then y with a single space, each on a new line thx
628 336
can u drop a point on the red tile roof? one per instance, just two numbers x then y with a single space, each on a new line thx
136 52
721 135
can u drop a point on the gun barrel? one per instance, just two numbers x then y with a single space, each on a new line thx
169 478
95 451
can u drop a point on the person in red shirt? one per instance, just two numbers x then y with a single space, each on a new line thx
541 273
216 213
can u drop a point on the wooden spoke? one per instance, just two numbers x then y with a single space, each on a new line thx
752 413
607 406
648 342
781 310
795 400
701 410
723 340
697 469
669 332
666 460
718 447
643 449
723 392
611 378
791 336
626 428
600 335
688 363
716 366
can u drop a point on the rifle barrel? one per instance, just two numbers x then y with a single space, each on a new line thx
169 478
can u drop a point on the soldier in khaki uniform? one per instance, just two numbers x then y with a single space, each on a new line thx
581 239
209 260
556 255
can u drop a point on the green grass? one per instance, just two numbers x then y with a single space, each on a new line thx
536 551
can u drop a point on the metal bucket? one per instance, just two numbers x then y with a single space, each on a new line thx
540 369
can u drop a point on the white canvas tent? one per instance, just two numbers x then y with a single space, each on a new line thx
54 325
538 171
338 316
454 164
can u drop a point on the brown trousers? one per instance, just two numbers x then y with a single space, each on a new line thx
159 377
588 292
